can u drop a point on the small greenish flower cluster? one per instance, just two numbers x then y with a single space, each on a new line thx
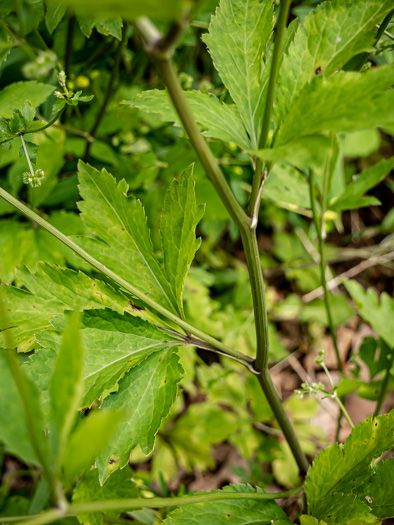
33 180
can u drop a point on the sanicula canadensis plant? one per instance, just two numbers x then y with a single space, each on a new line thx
105 348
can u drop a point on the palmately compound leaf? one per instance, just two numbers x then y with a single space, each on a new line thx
113 343
352 197
88 440
376 490
344 102
237 41
329 37
125 245
118 486
229 512
52 291
66 386
342 469
181 214
219 121
377 313
146 394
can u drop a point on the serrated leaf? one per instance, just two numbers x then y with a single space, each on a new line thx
341 469
343 102
237 40
113 343
377 311
51 291
376 491
146 394
220 121
66 386
350 198
54 14
118 486
127 9
15 95
328 38
88 440
28 113
229 512
338 509
125 245
105 26
181 214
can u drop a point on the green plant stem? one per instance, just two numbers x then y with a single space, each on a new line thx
385 385
110 89
248 233
260 174
281 416
22 387
343 409
208 161
312 193
138 503
27 156
121 282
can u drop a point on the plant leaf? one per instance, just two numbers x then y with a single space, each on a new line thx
181 214
51 291
125 245
112 343
341 469
237 40
146 394
66 386
220 121
343 102
105 26
350 198
88 441
376 312
229 512
375 491
15 95
338 509
329 37
54 14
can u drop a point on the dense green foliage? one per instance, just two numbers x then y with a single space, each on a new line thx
165 168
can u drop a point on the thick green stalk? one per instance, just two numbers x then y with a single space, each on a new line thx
260 174
312 193
247 230
110 89
121 282
151 503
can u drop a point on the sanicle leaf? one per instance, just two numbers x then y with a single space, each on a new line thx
342 469
328 38
124 243
237 40
181 214
218 121
145 394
